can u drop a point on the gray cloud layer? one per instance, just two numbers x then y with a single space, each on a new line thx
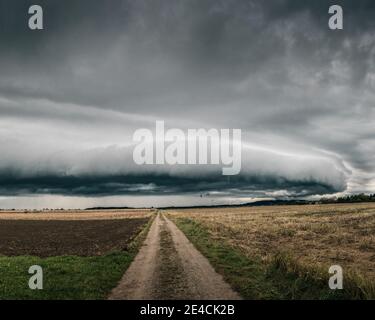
72 95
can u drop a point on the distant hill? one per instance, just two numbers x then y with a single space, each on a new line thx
277 203
250 204
347 199
109 208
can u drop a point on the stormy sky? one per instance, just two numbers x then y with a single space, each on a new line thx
72 95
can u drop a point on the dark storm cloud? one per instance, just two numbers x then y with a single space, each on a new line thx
160 184
202 46
102 69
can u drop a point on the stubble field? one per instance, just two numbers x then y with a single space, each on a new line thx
299 241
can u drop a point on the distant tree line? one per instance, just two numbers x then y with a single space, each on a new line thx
354 198
357 198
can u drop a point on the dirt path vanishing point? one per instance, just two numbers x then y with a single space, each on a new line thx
169 267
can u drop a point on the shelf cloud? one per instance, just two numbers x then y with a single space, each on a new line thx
72 95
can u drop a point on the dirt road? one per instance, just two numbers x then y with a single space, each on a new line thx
169 267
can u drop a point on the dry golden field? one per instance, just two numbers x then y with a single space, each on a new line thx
76 214
314 235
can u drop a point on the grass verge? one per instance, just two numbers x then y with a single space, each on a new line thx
68 277
281 278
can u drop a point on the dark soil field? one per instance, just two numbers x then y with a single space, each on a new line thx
45 238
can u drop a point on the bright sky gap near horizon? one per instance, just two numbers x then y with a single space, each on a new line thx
72 95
